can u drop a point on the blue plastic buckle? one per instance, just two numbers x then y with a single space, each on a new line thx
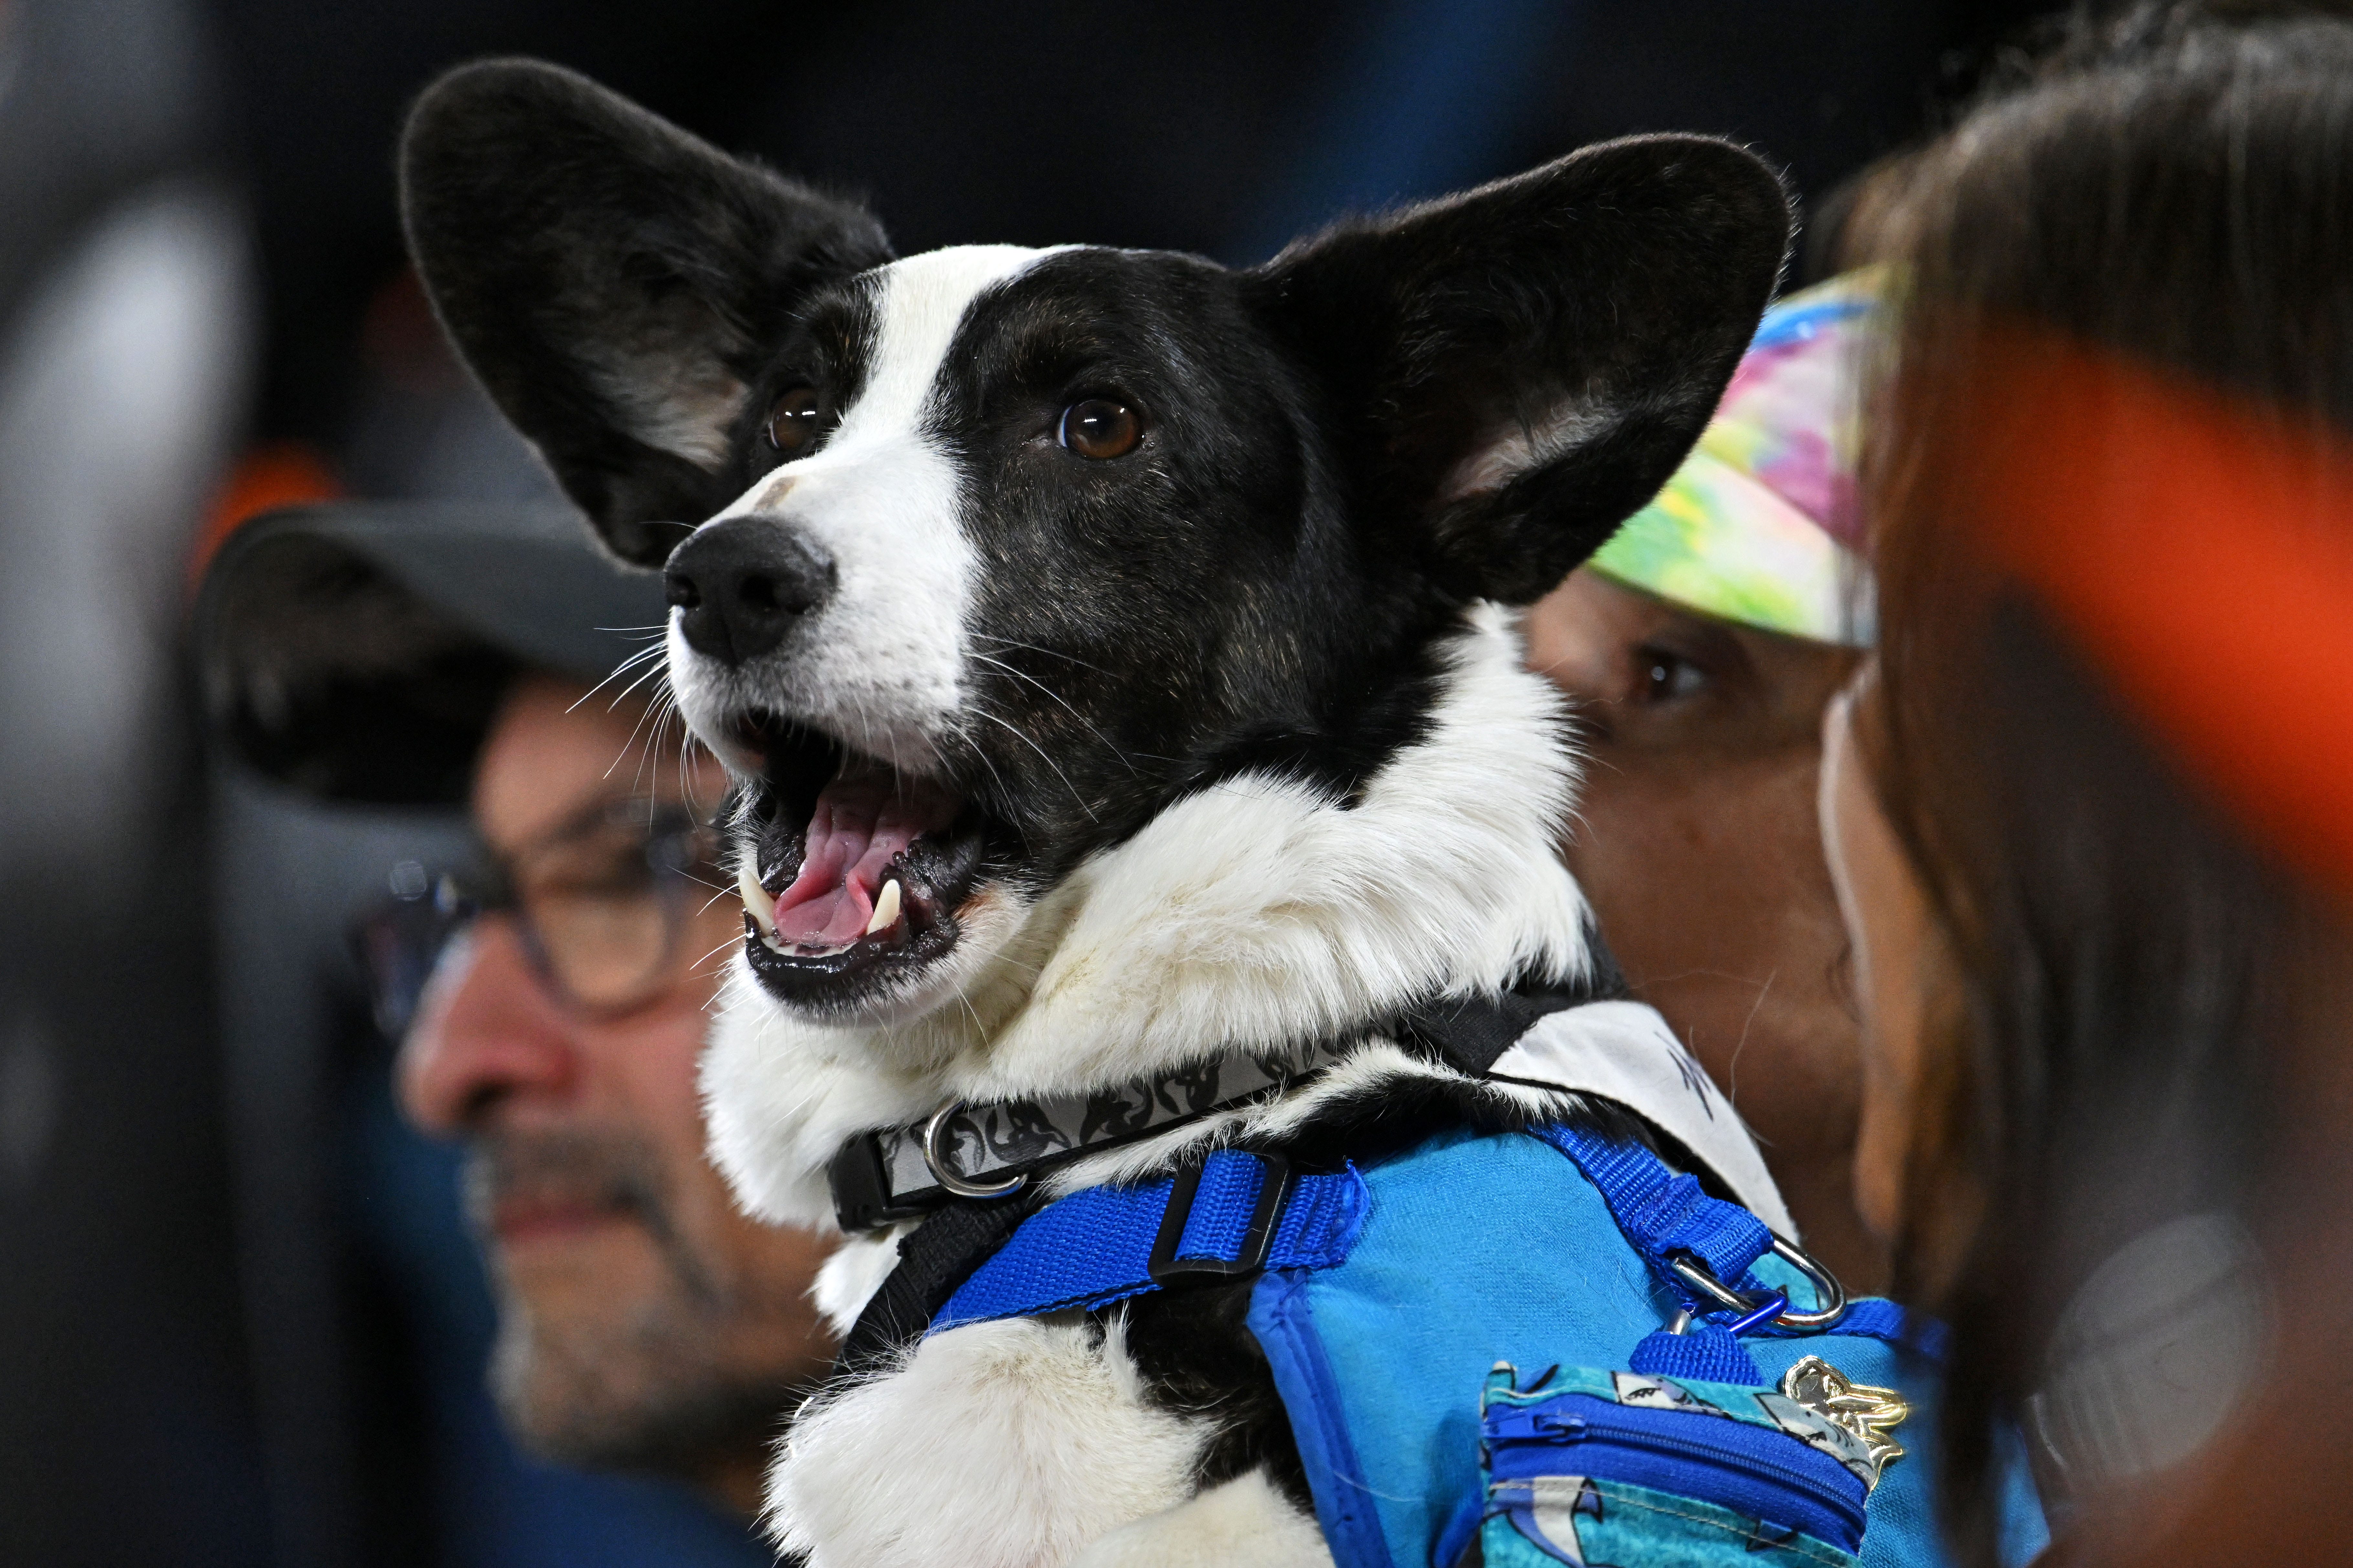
1258 1235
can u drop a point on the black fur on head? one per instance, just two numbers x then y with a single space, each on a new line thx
614 281
1331 456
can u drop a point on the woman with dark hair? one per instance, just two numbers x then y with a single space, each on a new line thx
2075 807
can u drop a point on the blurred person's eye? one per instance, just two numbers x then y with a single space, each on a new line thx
608 872
1666 677
1679 680
1100 428
603 903
796 421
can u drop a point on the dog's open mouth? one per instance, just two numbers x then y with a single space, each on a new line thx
851 872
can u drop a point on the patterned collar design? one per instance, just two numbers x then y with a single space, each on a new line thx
976 1151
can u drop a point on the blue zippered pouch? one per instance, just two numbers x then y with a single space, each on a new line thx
1643 1471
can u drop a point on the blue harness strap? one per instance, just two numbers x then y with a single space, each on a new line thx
1237 1213
1234 1213
1665 1216
1662 1216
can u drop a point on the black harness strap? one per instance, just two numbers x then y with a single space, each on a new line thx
934 1257
1469 1033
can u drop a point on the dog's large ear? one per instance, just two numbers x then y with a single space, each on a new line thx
1519 368
611 279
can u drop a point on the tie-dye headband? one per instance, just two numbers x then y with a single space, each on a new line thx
1759 523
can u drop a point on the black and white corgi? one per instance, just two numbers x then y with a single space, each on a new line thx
1110 649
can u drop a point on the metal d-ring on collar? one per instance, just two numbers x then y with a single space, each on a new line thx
1830 1296
945 1174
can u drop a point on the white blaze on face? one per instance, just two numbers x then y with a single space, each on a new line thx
882 665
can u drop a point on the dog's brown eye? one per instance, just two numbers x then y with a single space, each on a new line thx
1099 428
795 421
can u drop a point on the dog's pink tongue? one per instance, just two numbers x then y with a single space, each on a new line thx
860 825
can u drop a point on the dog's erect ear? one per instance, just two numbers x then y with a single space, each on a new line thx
611 279
1519 368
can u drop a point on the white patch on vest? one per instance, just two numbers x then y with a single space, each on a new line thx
1625 1052
1001 1445
1258 912
883 664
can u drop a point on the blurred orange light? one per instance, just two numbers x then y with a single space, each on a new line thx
279 473
2200 548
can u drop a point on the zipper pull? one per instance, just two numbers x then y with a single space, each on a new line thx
1524 1424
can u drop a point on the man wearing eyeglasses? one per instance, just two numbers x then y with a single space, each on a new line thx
551 991
645 1324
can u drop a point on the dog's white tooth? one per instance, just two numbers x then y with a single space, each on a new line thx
886 909
757 899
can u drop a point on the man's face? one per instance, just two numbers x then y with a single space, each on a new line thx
1698 844
644 1322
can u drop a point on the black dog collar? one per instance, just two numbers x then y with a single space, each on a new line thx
992 1150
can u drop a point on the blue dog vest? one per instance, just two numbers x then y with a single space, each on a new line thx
1470 1340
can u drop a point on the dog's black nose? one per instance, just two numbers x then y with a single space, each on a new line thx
743 584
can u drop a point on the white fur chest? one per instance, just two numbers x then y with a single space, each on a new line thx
1020 1444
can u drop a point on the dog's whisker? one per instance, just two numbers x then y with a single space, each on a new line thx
962 993
1004 789
696 967
618 670
1025 740
689 776
957 733
629 745
650 754
1032 969
1022 675
670 716
1050 653
655 672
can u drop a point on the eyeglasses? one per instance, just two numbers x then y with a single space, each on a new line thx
603 906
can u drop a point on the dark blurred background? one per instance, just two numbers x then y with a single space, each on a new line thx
239 1322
